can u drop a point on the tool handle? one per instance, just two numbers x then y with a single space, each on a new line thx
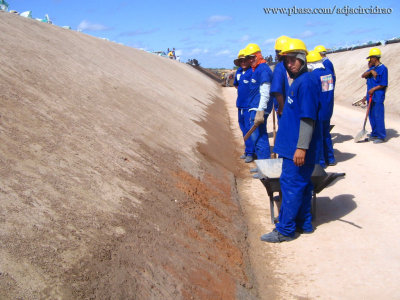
274 127
366 114
248 134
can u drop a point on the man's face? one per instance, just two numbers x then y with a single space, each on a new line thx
251 60
373 60
293 64
244 63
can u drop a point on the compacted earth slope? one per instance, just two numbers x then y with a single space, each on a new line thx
116 173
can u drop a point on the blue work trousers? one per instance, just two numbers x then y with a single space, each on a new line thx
244 124
296 187
326 155
260 137
377 120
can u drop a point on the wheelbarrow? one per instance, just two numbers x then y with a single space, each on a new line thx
269 172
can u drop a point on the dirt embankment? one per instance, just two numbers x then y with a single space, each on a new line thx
116 173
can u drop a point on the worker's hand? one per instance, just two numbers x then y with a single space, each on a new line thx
364 99
279 112
299 157
371 91
373 73
259 119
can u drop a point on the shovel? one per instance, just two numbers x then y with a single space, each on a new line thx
362 135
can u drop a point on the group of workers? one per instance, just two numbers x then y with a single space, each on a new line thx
300 91
171 53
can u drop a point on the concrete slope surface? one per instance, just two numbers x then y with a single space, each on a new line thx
112 182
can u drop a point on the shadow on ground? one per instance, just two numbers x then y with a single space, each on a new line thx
335 209
391 133
343 156
340 138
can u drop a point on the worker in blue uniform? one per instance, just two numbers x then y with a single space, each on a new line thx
242 83
296 144
260 105
327 81
325 60
279 84
377 82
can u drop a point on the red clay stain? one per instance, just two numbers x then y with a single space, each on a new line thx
204 193
205 200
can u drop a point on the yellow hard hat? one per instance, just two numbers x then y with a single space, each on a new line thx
251 49
240 55
320 49
374 52
294 45
280 41
313 56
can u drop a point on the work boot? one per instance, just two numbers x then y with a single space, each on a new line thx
256 176
243 156
372 138
254 170
378 141
334 163
249 159
275 237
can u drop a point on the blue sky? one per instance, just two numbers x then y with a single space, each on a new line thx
213 32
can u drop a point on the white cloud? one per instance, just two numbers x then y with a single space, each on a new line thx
198 51
85 25
269 41
361 31
223 52
213 20
244 38
138 32
306 34
315 23
217 19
